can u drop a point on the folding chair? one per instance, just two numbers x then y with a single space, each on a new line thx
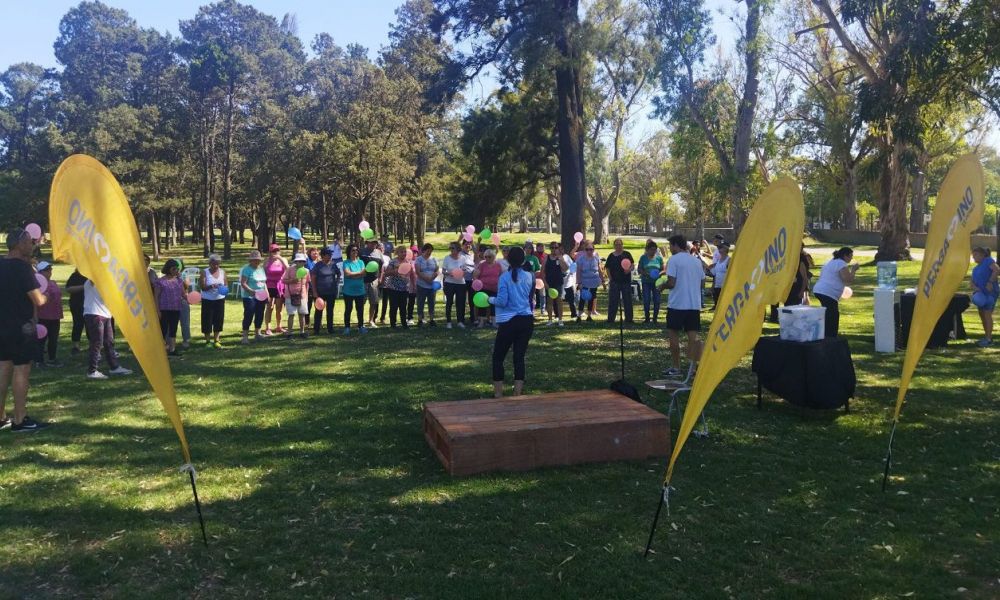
676 388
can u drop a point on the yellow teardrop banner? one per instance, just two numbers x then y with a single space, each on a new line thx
93 228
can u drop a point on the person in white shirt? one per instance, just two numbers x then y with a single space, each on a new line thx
454 287
685 274
833 277
718 269
101 333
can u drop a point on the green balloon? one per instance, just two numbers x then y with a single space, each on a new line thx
553 293
486 234
661 281
481 299
371 267
302 272
368 234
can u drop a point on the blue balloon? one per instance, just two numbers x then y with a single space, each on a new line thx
436 286
654 274
223 290
585 295
294 233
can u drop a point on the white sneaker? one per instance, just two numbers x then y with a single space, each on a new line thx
120 371
461 325
447 325
96 375
410 323
372 325
550 323
559 323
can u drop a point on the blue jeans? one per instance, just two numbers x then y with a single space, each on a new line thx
425 296
253 313
650 295
185 320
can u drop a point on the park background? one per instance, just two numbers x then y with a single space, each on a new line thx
314 474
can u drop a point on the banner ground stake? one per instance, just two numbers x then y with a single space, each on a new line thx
197 505
656 518
888 456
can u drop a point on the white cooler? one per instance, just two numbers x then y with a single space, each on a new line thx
802 323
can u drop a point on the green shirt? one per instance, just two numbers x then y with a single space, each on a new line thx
532 260
647 264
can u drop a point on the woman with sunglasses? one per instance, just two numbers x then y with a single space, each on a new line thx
354 291
274 267
590 276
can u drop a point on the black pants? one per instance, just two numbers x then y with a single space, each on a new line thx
517 333
358 303
454 293
570 297
253 312
584 306
411 301
397 306
385 305
331 301
469 293
78 323
832 323
51 338
169 319
213 314
619 291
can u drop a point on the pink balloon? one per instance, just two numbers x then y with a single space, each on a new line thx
848 292
404 268
43 283
467 236
194 297
477 285
457 273
41 331
261 295
363 225
320 304
470 229
578 237
539 284
496 239
34 230
626 264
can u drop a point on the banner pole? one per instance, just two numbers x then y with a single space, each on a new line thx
197 503
888 456
656 519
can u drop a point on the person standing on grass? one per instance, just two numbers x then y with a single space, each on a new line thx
985 290
50 315
685 274
397 285
101 333
212 282
312 258
718 270
326 281
569 281
371 254
650 263
296 290
833 278
274 267
488 272
516 322
589 275
427 270
468 267
74 287
20 298
252 279
411 287
454 287
620 290
555 270
171 294
354 289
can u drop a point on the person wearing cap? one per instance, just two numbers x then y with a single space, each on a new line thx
101 333
296 290
252 280
20 298
50 315
371 254
274 267
171 294
718 270
354 289
214 287
325 277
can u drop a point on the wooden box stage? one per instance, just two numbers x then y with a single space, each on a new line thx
524 432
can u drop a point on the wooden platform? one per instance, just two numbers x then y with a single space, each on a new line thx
525 432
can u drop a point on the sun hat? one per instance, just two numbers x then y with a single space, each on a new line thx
273 247
255 255
43 265
300 258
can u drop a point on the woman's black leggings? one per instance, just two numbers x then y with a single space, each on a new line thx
832 322
385 303
213 315
331 301
585 306
358 302
517 333
397 306
78 323
454 293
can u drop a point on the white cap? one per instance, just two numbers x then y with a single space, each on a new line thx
300 258
43 265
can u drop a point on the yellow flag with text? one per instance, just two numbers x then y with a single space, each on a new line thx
761 273
93 228
958 212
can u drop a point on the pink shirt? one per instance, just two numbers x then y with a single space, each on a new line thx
274 269
52 310
294 285
490 275
171 293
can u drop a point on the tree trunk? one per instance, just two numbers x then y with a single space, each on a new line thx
918 206
572 171
895 235
851 197
421 222
325 231
602 224
743 135
154 235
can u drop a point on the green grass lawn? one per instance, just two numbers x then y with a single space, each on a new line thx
316 481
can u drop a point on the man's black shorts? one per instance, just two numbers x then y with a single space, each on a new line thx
16 345
683 320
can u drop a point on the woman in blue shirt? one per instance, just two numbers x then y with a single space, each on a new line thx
985 290
514 319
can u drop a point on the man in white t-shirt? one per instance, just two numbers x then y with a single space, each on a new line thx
685 273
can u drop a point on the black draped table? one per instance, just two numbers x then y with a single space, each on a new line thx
949 325
809 374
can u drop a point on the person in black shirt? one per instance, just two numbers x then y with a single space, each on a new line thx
74 286
620 289
326 282
20 296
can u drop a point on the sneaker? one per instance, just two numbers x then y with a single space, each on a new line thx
984 343
372 325
175 352
363 330
461 325
96 375
267 332
559 323
258 338
410 322
672 372
120 370
28 425
448 325
550 323
347 331
218 345
5 424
